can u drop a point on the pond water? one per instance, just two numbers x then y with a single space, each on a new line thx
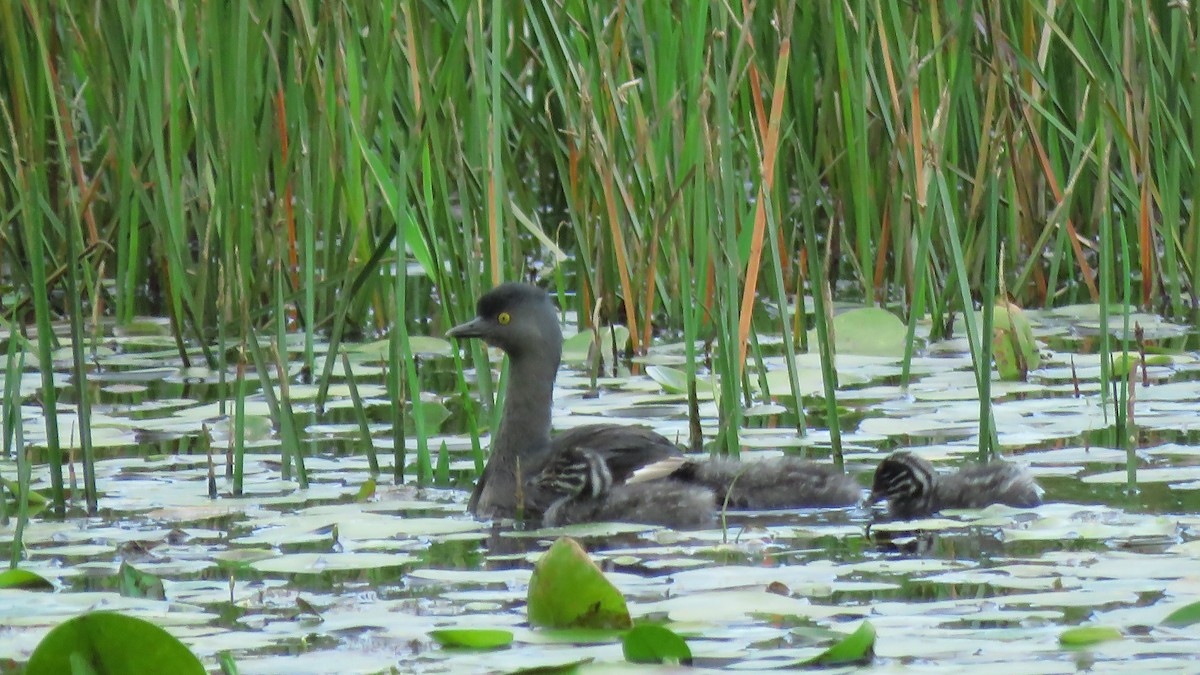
320 580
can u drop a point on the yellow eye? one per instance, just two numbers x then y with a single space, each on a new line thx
503 318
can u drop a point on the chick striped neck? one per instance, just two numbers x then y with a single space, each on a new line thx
577 472
908 483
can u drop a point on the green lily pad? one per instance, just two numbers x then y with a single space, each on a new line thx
1184 616
426 344
554 669
867 331
672 380
238 558
35 498
472 638
578 347
365 491
1123 362
857 647
1014 348
1159 359
142 327
1088 635
417 344
138 584
1091 312
321 563
810 381
651 643
568 590
432 415
257 428
18 578
111 644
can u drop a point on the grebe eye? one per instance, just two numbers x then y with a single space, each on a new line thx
503 318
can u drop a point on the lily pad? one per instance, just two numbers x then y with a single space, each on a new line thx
417 344
111 644
138 584
1123 362
564 667
568 590
425 344
35 498
320 563
141 327
651 643
672 380
433 414
1013 346
578 348
472 638
19 578
867 331
1184 616
1088 635
857 647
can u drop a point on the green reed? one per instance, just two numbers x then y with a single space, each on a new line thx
30 172
79 373
21 497
989 445
14 440
14 361
360 418
823 324
1114 264
236 467
726 289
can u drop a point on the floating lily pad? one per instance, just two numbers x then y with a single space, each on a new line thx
142 326
811 381
1088 635
578 348
428 345
561 667
138 584
111 644
472 638
1090 311
568 590
651 643
581 530
736 605
1184 616
1156 475
433 414
867 331
1013 346
320 563
35 498
242 557
1123 363
765 410
857 647
19 578
673 380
